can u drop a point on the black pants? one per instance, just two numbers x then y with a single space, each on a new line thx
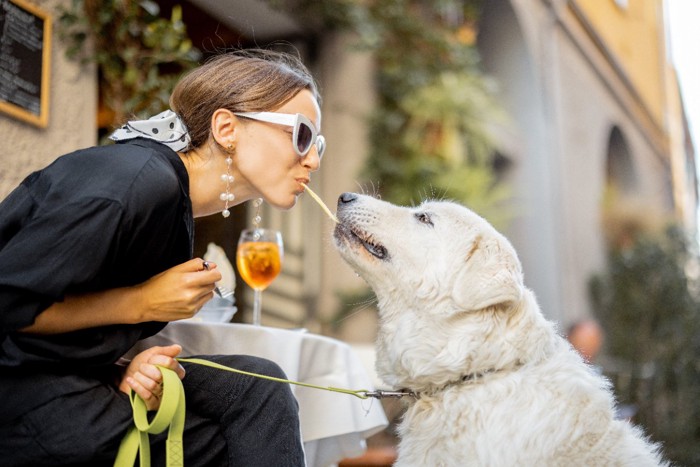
231 420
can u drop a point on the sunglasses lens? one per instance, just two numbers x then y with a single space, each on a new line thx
304 136
320 145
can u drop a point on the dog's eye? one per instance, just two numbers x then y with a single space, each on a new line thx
424 218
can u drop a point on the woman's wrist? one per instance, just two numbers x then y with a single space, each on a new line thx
133 306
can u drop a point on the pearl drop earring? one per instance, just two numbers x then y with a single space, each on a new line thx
227 178
256 220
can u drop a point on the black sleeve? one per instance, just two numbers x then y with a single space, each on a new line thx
54 252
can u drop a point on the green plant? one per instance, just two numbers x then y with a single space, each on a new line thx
139 55
442 143
649 305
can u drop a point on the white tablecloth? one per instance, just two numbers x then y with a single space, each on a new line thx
334 426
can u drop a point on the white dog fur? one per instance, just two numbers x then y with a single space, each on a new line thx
497 386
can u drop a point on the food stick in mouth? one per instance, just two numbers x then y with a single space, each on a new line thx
321 203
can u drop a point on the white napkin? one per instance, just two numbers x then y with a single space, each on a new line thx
217 255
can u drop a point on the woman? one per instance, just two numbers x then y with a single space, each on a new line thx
96 253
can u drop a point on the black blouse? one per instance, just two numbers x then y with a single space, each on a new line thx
95 219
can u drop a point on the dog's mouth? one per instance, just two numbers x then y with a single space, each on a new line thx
356 236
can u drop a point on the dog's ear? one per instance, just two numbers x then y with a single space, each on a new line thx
488 275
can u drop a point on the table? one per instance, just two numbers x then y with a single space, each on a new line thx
334 426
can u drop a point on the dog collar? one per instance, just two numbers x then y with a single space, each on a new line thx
387 394
466 379
476 376
383 394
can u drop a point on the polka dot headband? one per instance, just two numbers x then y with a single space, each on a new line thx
166 128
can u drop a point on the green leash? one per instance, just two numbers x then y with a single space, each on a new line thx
171 416
359 393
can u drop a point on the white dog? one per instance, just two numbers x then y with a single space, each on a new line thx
495 384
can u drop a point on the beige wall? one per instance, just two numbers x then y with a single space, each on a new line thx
684 183
636 37
72 116
566 88
634 33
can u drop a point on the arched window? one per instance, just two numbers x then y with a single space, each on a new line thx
624 214
621 174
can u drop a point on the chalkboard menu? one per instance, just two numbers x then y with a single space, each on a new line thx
25 50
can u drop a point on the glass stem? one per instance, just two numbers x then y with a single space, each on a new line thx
257 307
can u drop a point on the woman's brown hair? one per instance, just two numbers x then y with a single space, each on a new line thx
250 80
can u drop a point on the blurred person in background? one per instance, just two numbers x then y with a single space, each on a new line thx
587 338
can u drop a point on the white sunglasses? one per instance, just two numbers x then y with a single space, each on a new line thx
304 136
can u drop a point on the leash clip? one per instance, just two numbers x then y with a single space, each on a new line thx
382 394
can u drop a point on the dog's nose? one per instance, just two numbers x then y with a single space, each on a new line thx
346 198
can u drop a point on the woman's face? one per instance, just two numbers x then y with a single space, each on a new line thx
266 159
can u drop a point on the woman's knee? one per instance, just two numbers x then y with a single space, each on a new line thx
237 384
266 367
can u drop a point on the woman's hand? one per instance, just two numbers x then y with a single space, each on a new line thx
145 378
179 292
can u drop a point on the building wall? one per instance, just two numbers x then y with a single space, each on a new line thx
588 111
72 114
566 92
515 51
633 31
683 164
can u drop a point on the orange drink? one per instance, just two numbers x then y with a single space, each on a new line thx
258 263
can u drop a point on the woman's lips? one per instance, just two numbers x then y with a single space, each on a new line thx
300 185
